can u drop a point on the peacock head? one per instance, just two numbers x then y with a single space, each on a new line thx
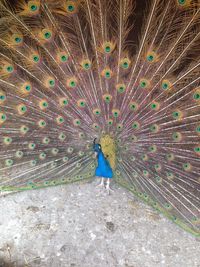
96 147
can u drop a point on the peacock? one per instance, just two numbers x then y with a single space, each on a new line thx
126 72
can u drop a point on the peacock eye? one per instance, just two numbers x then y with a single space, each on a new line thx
198 129
134 138
184 3
177 136
154 128
87 66
19 154
107 74
51 83
107 99
153 148
33 7
196 96
70 8
3 117
64 58
55 151
119 127
42 123
31 145
133 106
145 172
72 84
144 157
23 109
36 58
28 87
62 136
42 155
65 159
164 86
135 125
81 135
143 84
59 119
97 111
96 126
10 69
24 129
197 149
9 162
157 166
18 39
150 58
121 88
155 106
8 140
181 2
187 166
47 35
107 49
125 63
77 122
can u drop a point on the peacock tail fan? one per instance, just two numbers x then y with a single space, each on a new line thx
73 70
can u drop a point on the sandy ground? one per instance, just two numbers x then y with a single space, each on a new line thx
78 225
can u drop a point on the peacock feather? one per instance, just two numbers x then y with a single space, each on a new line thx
75 70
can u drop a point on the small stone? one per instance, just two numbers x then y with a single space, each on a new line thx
37 260
93 236
63 248
33 208
110 226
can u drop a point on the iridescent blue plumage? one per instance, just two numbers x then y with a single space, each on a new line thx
103 168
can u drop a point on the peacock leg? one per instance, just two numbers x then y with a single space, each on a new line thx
102 183
108 189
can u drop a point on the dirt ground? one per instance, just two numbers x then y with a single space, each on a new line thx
78 225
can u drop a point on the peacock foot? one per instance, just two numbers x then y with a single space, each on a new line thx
108 190
101 185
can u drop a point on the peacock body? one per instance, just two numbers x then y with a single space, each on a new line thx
74 70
